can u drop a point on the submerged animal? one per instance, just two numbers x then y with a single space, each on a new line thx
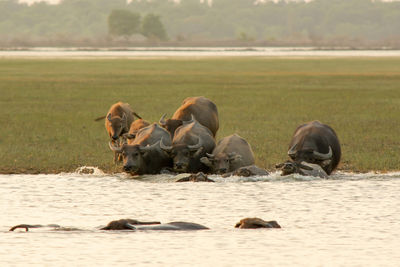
144 155
128 224
135 225
253 223
124 224
247 171
190 143
231 153
315 143
198 177
203 109
303 168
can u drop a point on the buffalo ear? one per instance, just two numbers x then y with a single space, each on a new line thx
109 117
206 161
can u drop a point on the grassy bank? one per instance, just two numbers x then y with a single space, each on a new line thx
47 106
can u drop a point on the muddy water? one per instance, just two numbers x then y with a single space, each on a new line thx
349 220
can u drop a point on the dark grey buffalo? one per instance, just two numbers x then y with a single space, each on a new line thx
126 224
315 143
247 171
201 108
231 153
144 154
191 142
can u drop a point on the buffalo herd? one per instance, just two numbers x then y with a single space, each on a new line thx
186 143
136 225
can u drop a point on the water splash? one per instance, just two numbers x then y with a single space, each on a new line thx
89 171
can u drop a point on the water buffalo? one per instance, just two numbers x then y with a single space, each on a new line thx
201 108
231 153
135 225
254 223
247 171
303 168
117 122
135 127
126 224
195 177
315 143
144 155
191 142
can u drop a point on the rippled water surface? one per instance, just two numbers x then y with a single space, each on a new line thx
348 220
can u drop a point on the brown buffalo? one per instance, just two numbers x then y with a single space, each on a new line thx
231 153
201 108
191 142
144 155
135 127
254 223
118 120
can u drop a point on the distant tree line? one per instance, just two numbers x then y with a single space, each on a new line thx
320 22
125 23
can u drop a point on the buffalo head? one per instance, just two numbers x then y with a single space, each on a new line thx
170 124
182 154
311 155
222 162
116 126
134 156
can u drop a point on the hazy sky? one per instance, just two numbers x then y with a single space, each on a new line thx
57 1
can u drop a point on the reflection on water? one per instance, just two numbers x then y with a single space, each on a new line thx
194 52
349 220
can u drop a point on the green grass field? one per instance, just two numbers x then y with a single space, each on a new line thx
48 106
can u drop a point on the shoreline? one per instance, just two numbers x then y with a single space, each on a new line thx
192 52
91 169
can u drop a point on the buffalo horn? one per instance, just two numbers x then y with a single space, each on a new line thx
196 146
114 148
292 151
149 147
162 120
192 119
211 156
322 156
163 146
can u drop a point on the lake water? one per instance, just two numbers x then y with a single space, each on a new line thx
134 52
347 220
